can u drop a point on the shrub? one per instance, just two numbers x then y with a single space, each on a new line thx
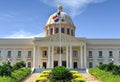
5 69
60 73
44 75
47 72
116 70
19 65
102 66
104 76
74 71
79 80
18 75
41 79
7 79
77 75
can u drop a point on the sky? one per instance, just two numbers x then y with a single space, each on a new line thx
92 18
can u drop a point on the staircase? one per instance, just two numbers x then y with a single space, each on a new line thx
39 70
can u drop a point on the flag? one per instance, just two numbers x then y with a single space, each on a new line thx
56 17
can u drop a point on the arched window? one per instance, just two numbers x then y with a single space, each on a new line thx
62 30
56 30
68 31
51 31
59 50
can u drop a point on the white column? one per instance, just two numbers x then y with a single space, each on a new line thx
39 56
85 60
67 56
34 56
81 56
52 56
49 57
70 56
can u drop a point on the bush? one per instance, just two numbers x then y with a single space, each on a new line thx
116 70
79 80
103 75
60 73
77 76
19 65
7 79
74 71
41 79
5 69
18 75
102 66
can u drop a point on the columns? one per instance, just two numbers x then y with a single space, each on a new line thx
85 60
67 56
39 56
52 56
60 58
70 56
81 55
34 56
48 57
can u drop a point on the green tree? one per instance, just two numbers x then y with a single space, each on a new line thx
19 65
5 69
60 74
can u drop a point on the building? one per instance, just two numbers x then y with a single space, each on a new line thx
49 51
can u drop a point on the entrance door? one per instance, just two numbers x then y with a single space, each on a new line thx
44 65
64 63
55 63
75 65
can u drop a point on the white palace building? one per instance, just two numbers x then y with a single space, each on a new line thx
60 47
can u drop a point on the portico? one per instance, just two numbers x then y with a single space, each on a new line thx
47 51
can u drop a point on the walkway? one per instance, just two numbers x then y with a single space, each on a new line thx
31 78
89 78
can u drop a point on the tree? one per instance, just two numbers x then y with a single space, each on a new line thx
19 65
5 69
60 74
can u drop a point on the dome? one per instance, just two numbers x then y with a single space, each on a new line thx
65 18
59 22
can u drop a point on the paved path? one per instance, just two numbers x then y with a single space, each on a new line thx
89 78
31 78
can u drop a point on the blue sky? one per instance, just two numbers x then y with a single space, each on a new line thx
92 18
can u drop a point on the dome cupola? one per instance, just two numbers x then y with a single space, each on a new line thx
59 22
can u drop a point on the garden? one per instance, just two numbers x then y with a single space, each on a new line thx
60 74
14 73
106 72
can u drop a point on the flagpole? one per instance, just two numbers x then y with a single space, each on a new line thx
60 37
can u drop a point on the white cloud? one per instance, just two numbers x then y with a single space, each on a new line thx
23 34
75 6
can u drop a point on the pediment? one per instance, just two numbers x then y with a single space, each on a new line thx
57 38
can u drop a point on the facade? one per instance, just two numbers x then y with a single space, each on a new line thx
60 47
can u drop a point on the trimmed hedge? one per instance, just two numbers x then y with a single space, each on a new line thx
7 79
104 76
42 79
79 80
18 75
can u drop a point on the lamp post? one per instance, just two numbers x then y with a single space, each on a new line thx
8 61
112 60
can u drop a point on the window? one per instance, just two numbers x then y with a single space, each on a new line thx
29 64
0 53
100 63
90 64
29 53
19 53
100 54
119 54
72 32
110 54
90 53
56 30
9 54
51 31
44 53
68 31
75 53
59 50
62 30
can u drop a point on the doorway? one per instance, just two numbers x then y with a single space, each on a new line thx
75 65
55 63
64 63
44 65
